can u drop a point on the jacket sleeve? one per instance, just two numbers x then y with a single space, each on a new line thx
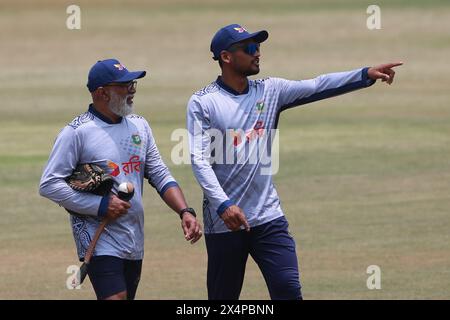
62 161
296 93
156 171
199 127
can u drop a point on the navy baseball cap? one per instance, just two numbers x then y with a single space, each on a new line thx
231 34
108 71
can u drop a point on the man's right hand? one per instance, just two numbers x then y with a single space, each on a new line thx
234 218
116 208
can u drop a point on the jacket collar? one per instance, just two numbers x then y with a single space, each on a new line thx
229 89
101 116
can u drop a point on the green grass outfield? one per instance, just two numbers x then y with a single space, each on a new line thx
364 178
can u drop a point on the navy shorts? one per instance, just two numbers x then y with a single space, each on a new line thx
272 248
111 275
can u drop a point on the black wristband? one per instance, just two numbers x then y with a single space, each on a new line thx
190 210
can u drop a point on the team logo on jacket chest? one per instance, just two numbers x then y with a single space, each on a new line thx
136 138
259 106
133 144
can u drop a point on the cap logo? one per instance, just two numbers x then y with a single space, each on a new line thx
240 29
119 66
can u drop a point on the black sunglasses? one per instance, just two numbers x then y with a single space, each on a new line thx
249 48
131 86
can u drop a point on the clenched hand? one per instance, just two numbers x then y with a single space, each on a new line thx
234 218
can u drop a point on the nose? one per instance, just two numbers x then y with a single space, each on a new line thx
132 87
257 51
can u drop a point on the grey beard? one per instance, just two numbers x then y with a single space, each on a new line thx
119 106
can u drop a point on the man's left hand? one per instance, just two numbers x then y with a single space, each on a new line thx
384 72
191 228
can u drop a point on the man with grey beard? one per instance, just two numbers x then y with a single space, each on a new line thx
122 144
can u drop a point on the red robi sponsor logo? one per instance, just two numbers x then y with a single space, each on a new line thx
133 165
115 169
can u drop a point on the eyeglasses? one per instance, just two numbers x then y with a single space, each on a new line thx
131 86
249 48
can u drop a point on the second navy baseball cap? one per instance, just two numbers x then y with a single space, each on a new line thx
231 34
109 71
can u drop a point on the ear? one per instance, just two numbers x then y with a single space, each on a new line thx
102 94
226 56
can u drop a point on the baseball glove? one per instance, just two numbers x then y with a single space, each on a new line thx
90 178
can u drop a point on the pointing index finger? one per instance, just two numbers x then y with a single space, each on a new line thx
394 64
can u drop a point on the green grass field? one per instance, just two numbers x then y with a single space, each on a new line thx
364 178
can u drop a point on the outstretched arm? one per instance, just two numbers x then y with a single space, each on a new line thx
296 93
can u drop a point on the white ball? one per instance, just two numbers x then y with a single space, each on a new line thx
123 187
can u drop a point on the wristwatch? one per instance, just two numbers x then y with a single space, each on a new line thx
190 210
